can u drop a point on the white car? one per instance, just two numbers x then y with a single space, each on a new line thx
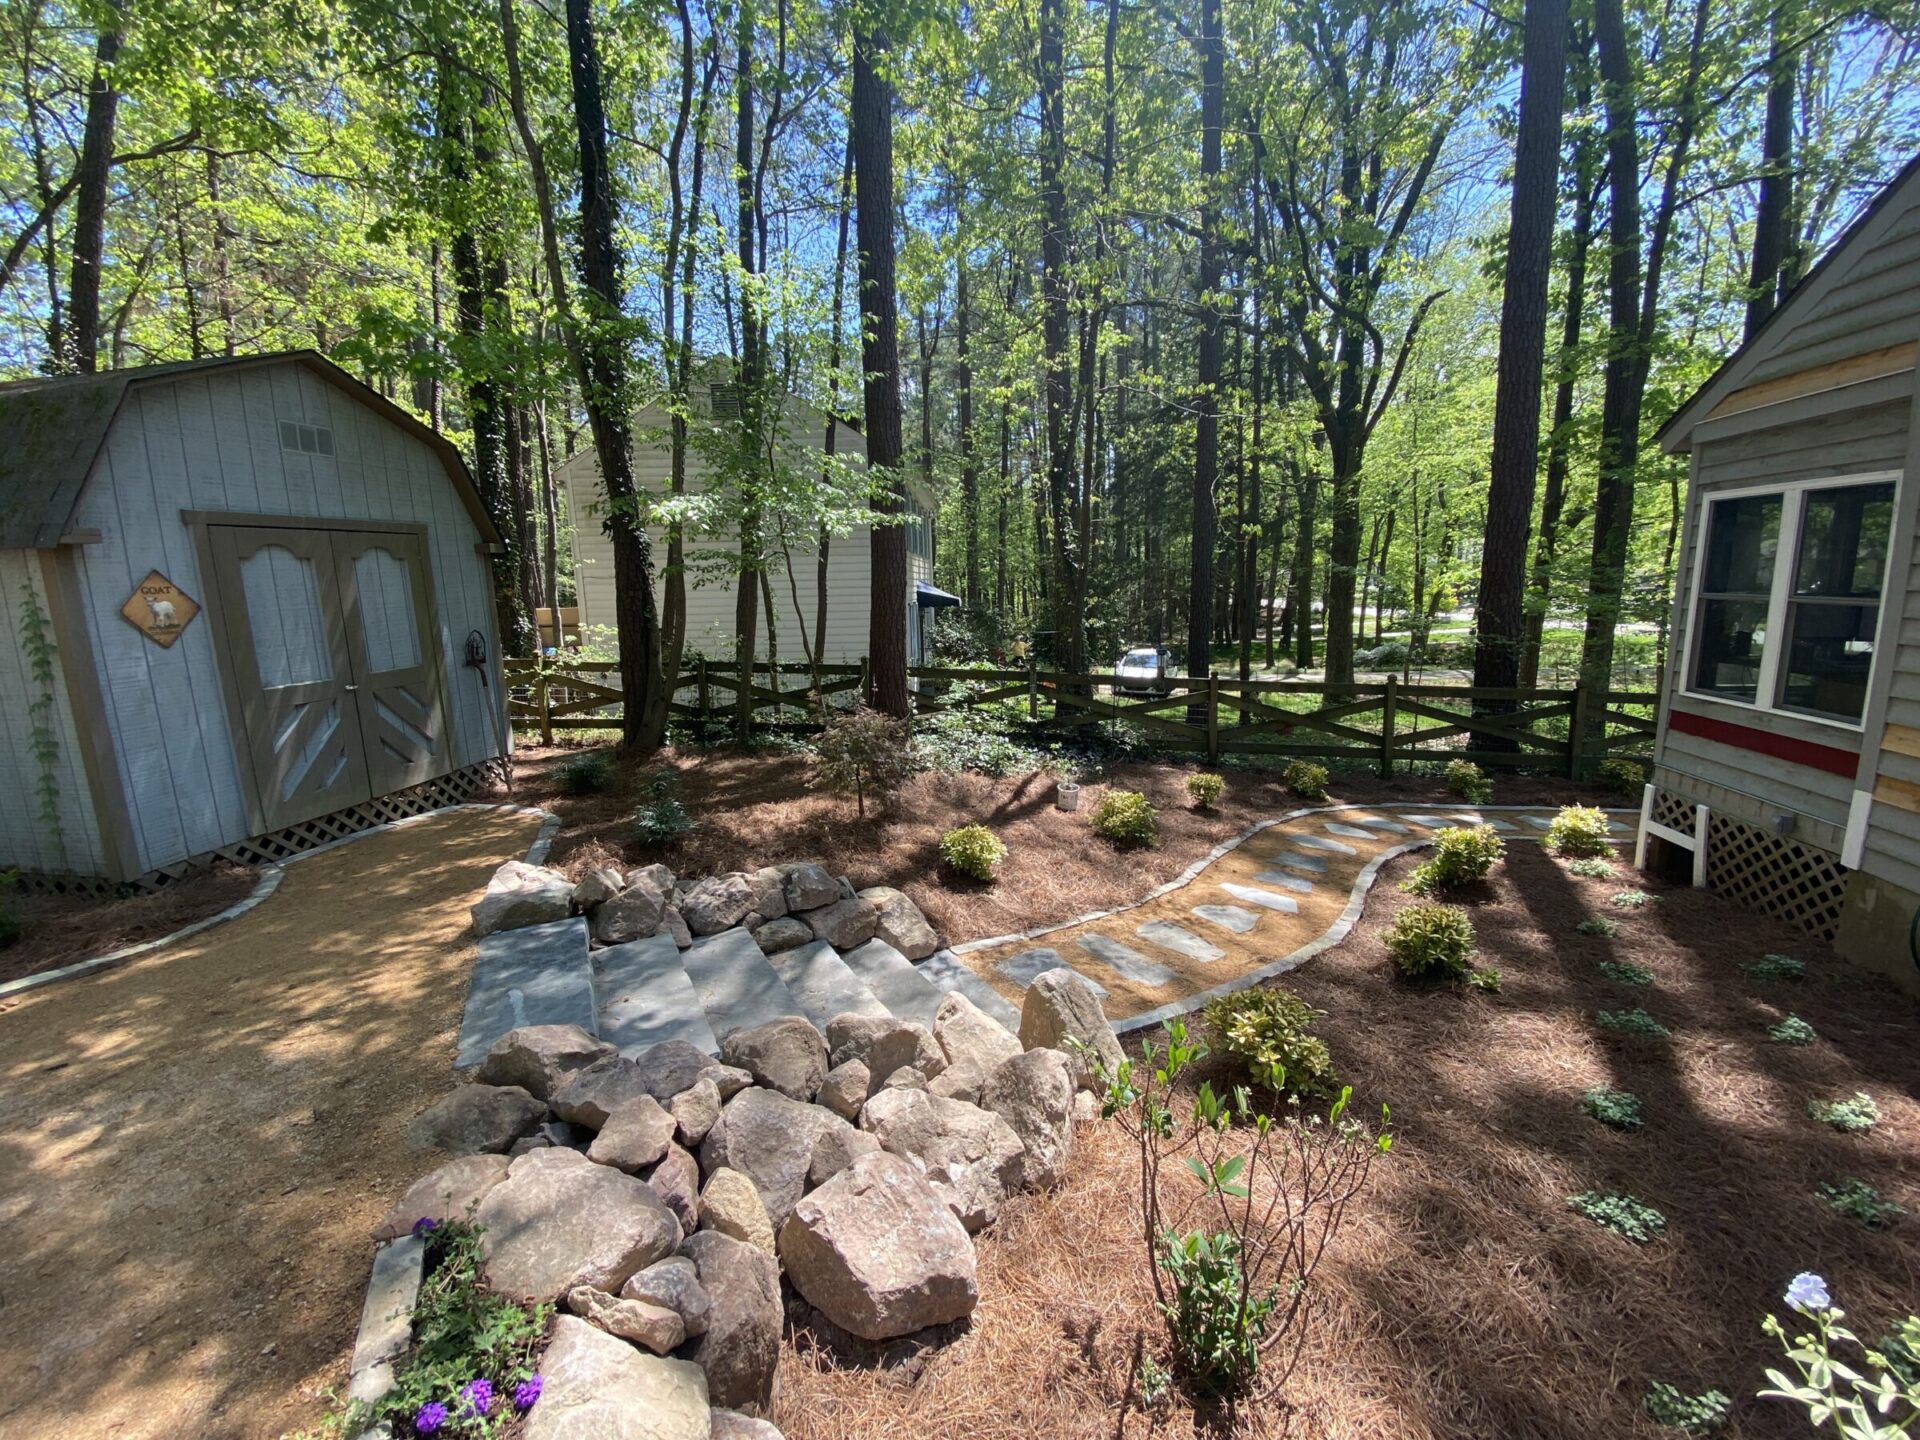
1146 672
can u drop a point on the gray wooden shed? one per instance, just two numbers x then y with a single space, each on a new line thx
1789 730
236 603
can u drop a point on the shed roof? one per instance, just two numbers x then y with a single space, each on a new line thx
1859 236
51 431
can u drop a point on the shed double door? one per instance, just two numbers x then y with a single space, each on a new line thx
338 678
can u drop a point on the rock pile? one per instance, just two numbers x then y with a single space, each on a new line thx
662 1200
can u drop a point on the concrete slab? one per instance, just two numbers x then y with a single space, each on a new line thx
1127 962
1029 965
646 997
819 979
945 973
1297 883
1265 899
903 990
1234 918
538 975
736 985
1180 940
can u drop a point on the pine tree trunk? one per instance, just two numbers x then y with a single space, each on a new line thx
81 337
1206 424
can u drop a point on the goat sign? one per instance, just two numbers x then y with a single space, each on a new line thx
159 609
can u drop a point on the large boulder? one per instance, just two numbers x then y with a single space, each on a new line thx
717 903
633 914
730 1204
475 1119
559 1220
769 888
900 923
974 1044
539 1058
809 886
845 1089
878 1253
596 887
597 1387
972 1157
836 1148
884 1044
674 924
656 875
845 924
448 1193
776 937
636 1135
673 1066
741 1350
676 1180
663 1071
1033 1092
654 1327
519 895
1061 1006
787 1055
769 1139
675 1284
694 1110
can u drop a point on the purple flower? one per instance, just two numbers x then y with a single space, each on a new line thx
430 1418
526 1392
1808 1292
424 1227
479 1396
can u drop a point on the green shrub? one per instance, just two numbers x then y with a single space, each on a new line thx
1853 1116
1305 779
1902 1348
1625 1216
1205 789
1858 1200
1579 830
663 819
1266 1028
980 738
1631 899
585 774
1216 1327
1430 941
1592 867
1775 967
1696 1414
1486 978
973 850
1792 1031
1126 819
1469 782
1635 1022
1461 856
1619 1109
863 752
1598 925
1625 972
1622 777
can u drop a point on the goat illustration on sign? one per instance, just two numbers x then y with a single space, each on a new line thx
159 609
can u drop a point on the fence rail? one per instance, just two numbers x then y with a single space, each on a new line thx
1384 722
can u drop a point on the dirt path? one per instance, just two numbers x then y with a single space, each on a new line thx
198 1144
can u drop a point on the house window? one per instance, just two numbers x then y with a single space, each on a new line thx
1787 602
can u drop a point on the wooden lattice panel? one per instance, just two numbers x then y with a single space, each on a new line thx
1673 811
1780 877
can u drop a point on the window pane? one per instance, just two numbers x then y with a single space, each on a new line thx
1732 637
1844 535
1742 538
1829 656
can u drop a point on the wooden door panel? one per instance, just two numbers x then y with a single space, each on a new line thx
383 578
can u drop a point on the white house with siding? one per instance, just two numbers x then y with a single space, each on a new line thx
1790 725
710 588
237 602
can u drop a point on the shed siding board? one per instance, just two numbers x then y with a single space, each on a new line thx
1875 303
1893 834
25 840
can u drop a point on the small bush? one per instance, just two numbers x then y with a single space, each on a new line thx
1266 1029
1625 972
585 774
1469 782
1631 899
1619 1109
1460 857
1853 1116
1622 1214
1598 925
1622 777
1592 867
1858 1200
1487 978
663 819
1775 967
1901 1346
1205 790
1126 819
1431 941
1635 1022
864 752
1305 779
1696 1414
1579 830
973 850
1792 1031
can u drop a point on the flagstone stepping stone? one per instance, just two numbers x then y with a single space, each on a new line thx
534 975
1442 822
1320 842
947 974
738 988
1374 824
1351 832
1180 940
645 997
1029 965
896 984
823 983
1128 962
1266 899
1538 822
1285 881
1228 917
1305 864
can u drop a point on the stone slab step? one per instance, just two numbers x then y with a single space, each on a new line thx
538 975
646 997
1127 961
737 986
820 980
946 972
892 978
1349 832
1265 899
1180 940
1282 878
1236 919
1320 842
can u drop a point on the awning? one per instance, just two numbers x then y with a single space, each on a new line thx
932 597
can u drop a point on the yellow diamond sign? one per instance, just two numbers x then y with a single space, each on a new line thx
159 609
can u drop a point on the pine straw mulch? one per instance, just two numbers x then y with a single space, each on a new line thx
63 929
1465 1298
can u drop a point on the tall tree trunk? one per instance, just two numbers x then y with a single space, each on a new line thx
1500 615
1773 222
969 458
81 336
824 551
1303 558
1069 548
1206 404
550 553
746 586
871 123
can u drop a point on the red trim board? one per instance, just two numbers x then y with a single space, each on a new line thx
1830 758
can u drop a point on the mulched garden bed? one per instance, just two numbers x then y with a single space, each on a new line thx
62 929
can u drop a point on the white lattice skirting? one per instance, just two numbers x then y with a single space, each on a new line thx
1797 883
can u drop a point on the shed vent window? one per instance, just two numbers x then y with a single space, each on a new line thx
307 439
724 401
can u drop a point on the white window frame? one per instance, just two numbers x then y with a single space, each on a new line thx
1793 499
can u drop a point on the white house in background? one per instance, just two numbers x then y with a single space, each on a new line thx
710 598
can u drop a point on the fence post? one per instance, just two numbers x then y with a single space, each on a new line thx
1386 729
546 714
703 696
1213 715
1033 691
866 681
1576 730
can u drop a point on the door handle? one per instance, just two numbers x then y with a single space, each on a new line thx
350 688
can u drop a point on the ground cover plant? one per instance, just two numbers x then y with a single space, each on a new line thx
1700 1414
1618 1109
587 773
1858 1200
1597 925
973 851
1590 867
1625 972
1775 967
1635 1022
1792 1031
1630 899
1854 1115
1627 1217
